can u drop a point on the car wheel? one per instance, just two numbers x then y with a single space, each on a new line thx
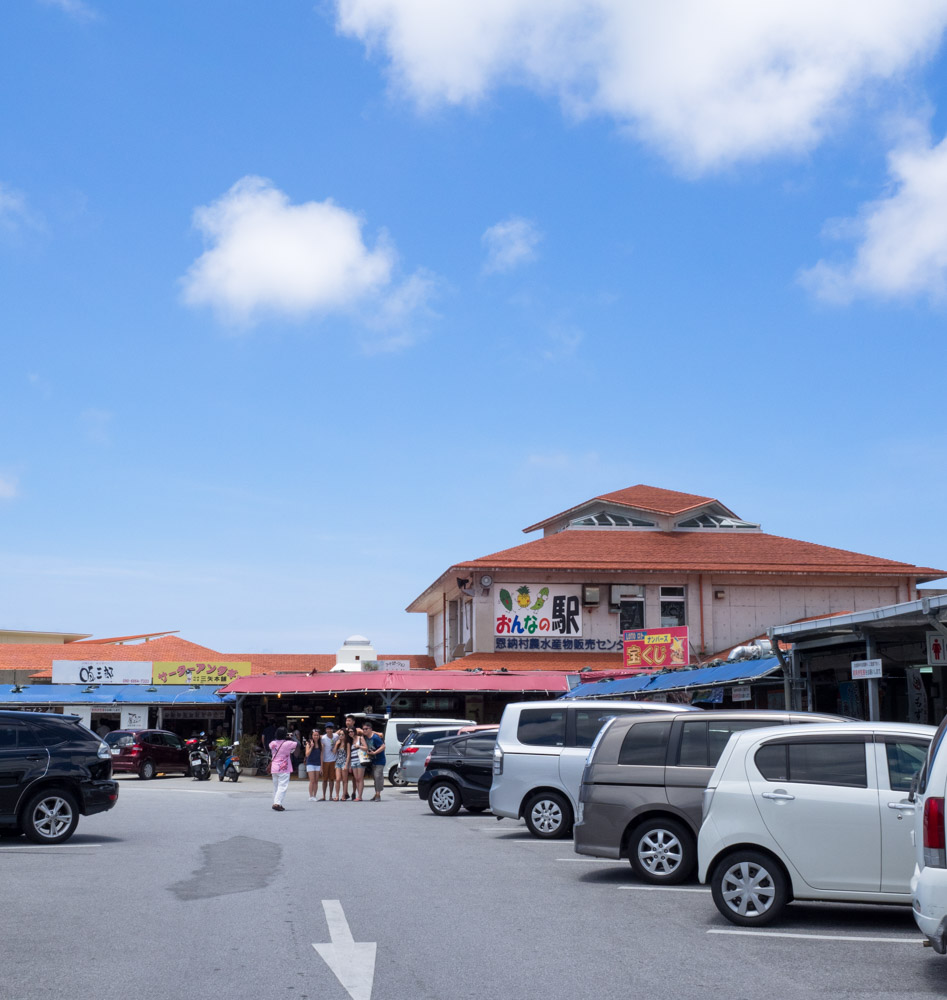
50 817
147 771
749 888
232 773
548 815
661 851
444 799
394 779
475 809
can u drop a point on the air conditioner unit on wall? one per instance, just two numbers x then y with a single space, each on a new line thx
591 595
625 592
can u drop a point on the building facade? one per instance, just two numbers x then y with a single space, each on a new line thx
643 558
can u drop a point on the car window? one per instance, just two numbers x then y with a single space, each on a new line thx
427 738
481 746
542 727
828 763
703 741
15 734
931 754
174 741
120 739
50 734
905 758
645 743
588 722
402 731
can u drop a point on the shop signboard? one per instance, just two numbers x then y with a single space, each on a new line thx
134 717
193 713
917 696
655 648
741 693
101 671
865 669
397 665
936 649
175 672
538 610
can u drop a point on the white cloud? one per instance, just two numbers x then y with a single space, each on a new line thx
902 238
9 487
510 243
268 256
708 82
13 208
74 8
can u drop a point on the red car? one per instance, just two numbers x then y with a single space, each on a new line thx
147 752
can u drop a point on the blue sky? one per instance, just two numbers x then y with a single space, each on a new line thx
300 304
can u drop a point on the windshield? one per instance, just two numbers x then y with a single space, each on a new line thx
119 739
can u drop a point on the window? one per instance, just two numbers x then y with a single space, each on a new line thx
630 615
703 742
481 746
672 606
15 734
714 521
402 731
904 761
829 763
542 727
50 734
589 722
645 743
603 520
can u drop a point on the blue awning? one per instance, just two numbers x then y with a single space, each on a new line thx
110 694
740 672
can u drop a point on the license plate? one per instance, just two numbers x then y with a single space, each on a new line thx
115 751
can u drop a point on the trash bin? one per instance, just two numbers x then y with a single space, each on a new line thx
301 771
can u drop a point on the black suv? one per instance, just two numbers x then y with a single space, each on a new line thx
51 769
459 773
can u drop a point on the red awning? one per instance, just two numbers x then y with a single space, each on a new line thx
531 681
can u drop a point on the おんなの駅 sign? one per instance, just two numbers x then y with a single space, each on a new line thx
537 609
656 648
199 673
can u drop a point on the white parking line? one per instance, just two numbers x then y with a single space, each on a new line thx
917 941
45 847
663 888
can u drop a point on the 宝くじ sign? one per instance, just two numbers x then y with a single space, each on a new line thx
656 648
525 609
199 673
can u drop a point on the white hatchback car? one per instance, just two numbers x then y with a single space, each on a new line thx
814 812
929 885
540 755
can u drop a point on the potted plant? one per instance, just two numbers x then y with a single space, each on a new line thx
246 753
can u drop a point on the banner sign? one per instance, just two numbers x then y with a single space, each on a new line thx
101 672
198 673
865 669
917 696
193 713
741 693
134 717
656 648
535 609
394 665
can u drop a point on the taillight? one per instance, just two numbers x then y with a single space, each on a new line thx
409 749
135 748
427 761
497 760
935 848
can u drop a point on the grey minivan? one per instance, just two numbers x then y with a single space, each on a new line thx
642 787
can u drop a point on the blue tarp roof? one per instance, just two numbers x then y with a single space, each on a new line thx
740 672
110 694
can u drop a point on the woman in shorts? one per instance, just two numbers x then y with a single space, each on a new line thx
343 751
359 763
313 762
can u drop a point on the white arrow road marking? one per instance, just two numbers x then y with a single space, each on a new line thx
353 962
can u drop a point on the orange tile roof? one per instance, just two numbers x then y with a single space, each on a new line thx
285 663
570 662
641 497
690 551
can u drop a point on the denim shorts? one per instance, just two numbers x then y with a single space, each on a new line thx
313 767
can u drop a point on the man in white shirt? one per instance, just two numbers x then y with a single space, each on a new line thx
328 760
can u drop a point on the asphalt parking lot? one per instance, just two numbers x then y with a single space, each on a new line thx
200 889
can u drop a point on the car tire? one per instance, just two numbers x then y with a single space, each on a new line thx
475 809
444 799
147 771
50 816
394 779
548 815
749 888
233 774
662 851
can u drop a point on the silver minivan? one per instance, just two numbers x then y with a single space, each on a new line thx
540 756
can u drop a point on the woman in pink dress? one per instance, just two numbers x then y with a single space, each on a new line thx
281 767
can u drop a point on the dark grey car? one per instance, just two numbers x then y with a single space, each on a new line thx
642 787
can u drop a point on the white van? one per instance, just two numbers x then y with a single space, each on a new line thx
541 752
929 884
397 728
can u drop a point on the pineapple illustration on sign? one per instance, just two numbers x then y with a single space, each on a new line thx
522 597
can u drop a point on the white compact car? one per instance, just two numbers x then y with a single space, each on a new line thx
815 812
929 885
540 754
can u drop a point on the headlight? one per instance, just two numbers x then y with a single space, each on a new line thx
104 752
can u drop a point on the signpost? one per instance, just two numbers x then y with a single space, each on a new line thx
655 648
863 670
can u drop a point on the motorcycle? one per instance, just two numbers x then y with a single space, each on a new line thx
199 757
228 764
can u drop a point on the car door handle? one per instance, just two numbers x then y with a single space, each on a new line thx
779 796
902 806
36 758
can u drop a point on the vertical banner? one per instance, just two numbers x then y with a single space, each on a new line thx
134 717
917 696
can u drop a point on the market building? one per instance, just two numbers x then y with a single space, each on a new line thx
643 558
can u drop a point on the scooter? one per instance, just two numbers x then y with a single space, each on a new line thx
199 757
228 764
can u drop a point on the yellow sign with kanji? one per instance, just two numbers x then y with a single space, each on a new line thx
656 648
198 673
